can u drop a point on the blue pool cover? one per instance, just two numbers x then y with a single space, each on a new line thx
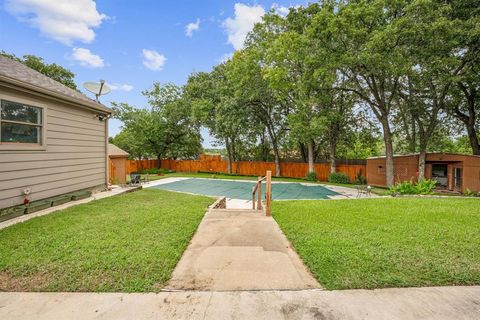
243 189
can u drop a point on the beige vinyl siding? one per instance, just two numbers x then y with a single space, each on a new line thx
74 156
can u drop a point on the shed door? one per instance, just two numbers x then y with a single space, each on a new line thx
458 178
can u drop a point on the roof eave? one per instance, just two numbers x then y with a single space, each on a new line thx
16 84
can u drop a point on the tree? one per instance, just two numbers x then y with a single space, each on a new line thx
216 107
53 70
365 53
133 143
291 75
465 105
433 41
466 16
166 126
254 94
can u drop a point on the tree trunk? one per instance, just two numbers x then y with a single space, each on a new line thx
333 155
469 118
229 155
159 161
278 173
421 162
473 138
387 137
276 152
311 167
303 153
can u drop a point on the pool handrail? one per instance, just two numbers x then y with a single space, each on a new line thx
268 193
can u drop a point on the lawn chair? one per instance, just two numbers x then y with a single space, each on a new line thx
135 178
363 190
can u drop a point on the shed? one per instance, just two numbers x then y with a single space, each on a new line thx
53 139
118 164
452 171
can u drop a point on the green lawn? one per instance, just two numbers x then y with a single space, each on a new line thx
377 243
129 243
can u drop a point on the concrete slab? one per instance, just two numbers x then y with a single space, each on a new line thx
240 250
442 303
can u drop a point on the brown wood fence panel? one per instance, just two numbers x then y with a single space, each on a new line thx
254 168
251 168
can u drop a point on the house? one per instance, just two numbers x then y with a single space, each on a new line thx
53 140
118 164
453 172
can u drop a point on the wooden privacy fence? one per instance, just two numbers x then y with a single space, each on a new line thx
253 168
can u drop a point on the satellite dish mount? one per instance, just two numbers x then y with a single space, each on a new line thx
97 88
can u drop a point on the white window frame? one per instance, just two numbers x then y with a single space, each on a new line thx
42 146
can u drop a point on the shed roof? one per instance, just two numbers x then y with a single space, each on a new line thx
19 75
416 154
116 152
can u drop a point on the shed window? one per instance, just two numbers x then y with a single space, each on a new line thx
20 123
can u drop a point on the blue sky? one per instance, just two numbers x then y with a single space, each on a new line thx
128 43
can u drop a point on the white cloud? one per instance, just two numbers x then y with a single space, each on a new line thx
191 27
239 26
153 60
281 10
120 87
86 58
65 21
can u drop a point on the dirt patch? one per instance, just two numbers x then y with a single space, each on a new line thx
31 282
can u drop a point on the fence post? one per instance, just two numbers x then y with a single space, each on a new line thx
269 194
259 206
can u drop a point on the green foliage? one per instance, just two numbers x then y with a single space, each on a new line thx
130 141
166 129
311 176
470 193
423 187
338 177
53 70
360 178
154 171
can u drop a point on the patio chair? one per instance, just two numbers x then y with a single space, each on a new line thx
363 190
135 178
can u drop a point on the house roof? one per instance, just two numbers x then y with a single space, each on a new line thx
18 75
116 152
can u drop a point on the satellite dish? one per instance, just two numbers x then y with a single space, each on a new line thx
97 88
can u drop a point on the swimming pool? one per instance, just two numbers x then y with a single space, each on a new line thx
243 189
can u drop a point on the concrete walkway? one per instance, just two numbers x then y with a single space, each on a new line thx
443 303
240 250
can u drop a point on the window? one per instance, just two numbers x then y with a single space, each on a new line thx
20 123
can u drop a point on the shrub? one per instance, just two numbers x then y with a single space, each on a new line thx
405 187
153 171
470 193
338 177
424 186
311 176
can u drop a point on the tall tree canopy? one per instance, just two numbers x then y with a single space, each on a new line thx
166 127
334 79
